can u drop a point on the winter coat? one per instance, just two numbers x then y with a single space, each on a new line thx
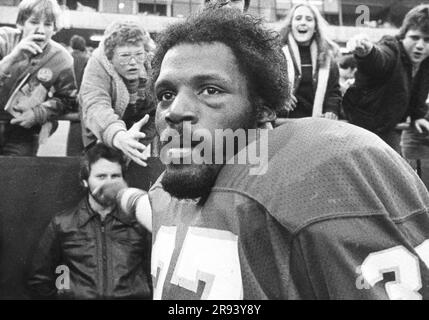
52 69
384 92
103 99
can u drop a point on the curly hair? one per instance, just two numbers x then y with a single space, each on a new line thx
325 46
121 33
48 8
257 50
416 19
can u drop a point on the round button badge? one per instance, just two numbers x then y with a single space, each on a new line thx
44 75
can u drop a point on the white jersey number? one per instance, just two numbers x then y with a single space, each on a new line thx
207 255
404 264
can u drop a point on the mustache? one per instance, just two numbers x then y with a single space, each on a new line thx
182 132
180 141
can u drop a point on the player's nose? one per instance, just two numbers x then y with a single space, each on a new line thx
183 108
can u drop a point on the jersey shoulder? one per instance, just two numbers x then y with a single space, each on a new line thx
320 169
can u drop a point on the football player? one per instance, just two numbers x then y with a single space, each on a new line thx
335 214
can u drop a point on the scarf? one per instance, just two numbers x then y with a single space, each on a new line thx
293 59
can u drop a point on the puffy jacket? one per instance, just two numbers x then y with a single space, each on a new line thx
103 100
384 92
104 260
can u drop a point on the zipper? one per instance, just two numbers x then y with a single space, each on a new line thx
104 258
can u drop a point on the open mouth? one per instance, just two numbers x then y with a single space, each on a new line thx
417 55
302 29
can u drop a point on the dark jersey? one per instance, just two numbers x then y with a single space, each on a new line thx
337 215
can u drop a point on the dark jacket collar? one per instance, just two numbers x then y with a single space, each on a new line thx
86 213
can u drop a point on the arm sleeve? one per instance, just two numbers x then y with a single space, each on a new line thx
419 111
378 63
96 102
333 96
42 277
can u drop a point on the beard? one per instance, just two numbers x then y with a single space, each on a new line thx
103 201
190 181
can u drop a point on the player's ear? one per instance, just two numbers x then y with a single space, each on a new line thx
265 114
85 183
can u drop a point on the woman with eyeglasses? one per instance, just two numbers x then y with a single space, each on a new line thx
115 108
313 73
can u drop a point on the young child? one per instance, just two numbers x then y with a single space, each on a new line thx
37 82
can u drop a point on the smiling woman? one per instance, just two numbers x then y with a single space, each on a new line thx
113 96
313 74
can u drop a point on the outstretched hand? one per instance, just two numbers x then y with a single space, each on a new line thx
128 142
360 45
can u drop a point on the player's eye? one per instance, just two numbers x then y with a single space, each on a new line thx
415 38
309 19
166 96
210 91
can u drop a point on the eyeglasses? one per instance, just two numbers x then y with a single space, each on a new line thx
125 58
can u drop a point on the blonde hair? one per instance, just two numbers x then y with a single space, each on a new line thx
325 47
48 8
